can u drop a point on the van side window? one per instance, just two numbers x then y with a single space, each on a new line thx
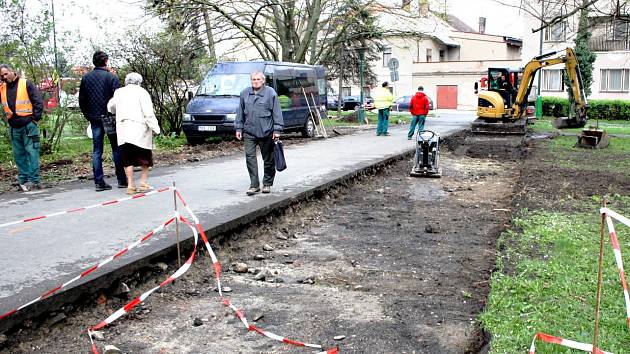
284 89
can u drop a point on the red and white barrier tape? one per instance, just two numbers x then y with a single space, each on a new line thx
239 314
196 229
111 202
131 304
563 342
617 251
93 268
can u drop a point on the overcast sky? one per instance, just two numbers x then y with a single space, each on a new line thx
500 19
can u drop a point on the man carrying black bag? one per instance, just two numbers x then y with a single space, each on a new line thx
97 88
259 122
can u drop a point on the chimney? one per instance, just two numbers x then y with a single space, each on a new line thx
406 5
482 25
424 8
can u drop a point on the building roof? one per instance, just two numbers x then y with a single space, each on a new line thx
402 22
458 24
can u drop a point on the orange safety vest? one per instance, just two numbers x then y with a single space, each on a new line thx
23 105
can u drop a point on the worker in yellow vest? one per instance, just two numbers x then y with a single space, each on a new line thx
23 106
383 100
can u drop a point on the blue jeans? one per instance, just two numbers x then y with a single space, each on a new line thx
383 121
416 120
25 142
98 136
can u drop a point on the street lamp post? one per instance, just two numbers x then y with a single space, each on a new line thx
361 51
56 71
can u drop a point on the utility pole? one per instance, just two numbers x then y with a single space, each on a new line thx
540 49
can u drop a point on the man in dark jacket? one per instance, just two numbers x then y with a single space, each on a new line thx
97 88
23 106
419 108
259 121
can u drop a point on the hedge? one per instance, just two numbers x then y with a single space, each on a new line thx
602 109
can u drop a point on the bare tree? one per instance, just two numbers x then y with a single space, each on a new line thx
552 12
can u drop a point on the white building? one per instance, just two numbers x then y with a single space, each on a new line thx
447 60
610 41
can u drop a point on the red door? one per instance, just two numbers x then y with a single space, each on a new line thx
447 96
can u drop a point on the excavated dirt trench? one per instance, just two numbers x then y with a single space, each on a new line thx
386 264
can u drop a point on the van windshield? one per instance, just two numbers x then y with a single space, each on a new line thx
224 85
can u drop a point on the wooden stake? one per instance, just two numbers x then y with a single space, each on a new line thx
599 278
179 262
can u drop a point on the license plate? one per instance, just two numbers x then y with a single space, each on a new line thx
207 128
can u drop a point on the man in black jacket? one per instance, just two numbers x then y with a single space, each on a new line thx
23 106
97 88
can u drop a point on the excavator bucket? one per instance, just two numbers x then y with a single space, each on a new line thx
593 139
568 122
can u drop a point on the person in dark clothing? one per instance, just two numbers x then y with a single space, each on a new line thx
23 105
96 89
259 121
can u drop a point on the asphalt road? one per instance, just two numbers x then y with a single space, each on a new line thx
39 255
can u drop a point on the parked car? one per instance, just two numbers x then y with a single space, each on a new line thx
403 102
331 102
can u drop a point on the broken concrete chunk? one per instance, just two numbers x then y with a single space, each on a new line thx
240 267
110 349
267 247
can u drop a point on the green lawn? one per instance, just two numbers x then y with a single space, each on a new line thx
546 274
610 126
546 281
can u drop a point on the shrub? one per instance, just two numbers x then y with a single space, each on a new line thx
602 109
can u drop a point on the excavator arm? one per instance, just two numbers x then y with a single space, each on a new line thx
577 86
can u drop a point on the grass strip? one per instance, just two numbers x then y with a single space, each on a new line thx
546 281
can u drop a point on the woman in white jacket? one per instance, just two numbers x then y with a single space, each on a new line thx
135 126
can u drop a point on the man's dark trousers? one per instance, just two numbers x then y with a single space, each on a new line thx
98 136
266 150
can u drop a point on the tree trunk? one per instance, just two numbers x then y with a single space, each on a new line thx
206 19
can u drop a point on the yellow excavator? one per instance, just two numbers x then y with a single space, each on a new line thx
503 107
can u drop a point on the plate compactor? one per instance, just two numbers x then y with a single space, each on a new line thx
426 161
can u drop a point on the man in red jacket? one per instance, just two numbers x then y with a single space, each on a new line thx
419 108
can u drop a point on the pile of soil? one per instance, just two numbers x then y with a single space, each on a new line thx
388 263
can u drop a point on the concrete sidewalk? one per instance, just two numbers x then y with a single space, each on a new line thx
39 255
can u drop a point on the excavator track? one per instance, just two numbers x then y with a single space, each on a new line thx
482 126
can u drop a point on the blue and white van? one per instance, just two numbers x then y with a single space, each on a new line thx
213 109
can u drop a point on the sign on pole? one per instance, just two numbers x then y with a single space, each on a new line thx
393 69
393 64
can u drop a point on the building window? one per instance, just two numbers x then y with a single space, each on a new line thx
345 91
442 58
614 80
429 55
556 32
617 30
552 80
387 54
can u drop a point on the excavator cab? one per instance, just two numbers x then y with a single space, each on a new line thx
503 108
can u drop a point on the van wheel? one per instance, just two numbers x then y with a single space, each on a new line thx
195 140
308 131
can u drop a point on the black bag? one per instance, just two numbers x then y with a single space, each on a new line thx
278 153
109 124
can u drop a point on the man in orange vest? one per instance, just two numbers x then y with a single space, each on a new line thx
23 106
